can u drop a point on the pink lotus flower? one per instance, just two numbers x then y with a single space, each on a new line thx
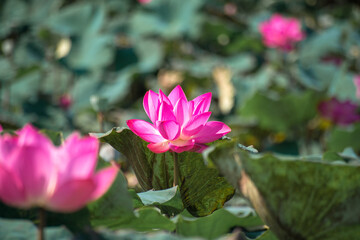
341 113
281 32
35 173
357 85
177 124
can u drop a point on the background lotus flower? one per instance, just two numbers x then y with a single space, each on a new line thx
65 101
342 113
177 124
281 32
35 173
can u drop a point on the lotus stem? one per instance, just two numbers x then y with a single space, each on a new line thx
176 169
42 223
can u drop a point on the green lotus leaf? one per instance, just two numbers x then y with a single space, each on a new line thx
202 189
299 198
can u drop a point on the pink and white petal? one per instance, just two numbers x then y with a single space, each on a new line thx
11 189
159 147
71 195
182 111
36 170
29 136
176 94
79 156
191 107
170 130
211 131
1 128
166 112
196 123
151 105
202 103
103 180
164 98
145 130
180 149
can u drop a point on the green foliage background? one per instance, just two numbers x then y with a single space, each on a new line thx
104 56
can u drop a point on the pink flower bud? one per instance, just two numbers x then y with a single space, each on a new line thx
65 101
35 173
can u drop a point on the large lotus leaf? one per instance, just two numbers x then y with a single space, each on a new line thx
247 86
75 221
223 155
168 200
84 87
115 211
320 45
91 50
149 60
343 36
202 189
168 18
268 235
281 113
145 219
115 204
28 53
316 76
77 18
142 160
218 223
118 87
341 137
16 13
126 235
12 13
204 65
342 85
300 198
7 71
304 199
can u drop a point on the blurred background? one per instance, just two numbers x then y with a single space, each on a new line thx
85 65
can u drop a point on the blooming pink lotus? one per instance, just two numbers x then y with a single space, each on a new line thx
177 124
281 32
357 85
35 173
